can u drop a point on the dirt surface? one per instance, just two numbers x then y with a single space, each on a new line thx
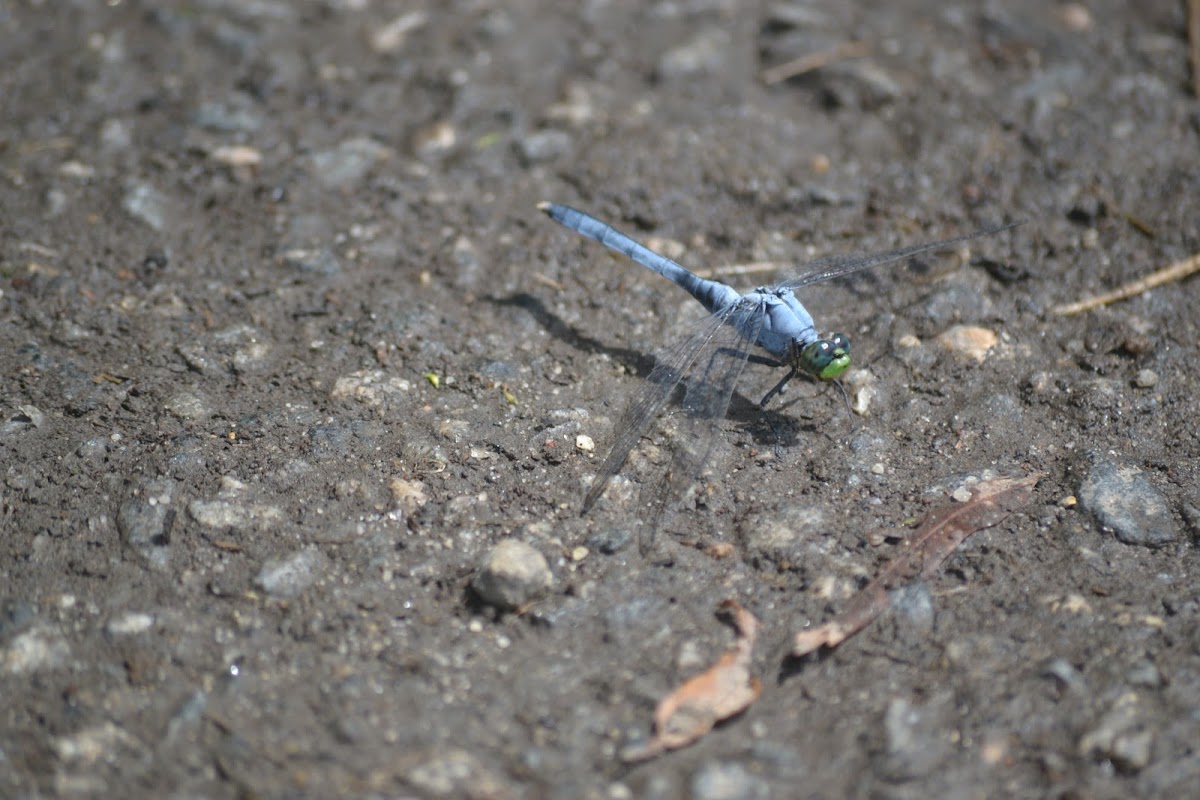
287 350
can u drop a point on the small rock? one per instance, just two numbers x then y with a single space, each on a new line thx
409 495
104 741
391 36
318 261
451 772
544 145
915 739
234 117
25 418
1120 735
723 780
1124 501
374 388
1146 379
1065 673
912 606
954 302
237 156
1131 752
1075 17
146 519
226 513
348 163
38 649
435 139
469 266
1144 673
705 53
782 538
186 405
513 574
131 623
146 204
968 342
609 541
289 577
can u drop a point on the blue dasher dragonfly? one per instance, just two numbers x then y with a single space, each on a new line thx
710 359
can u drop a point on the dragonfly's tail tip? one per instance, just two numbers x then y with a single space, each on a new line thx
545 206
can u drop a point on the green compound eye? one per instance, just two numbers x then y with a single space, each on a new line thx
826 359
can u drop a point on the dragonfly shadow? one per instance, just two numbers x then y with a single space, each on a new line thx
769 427
633 360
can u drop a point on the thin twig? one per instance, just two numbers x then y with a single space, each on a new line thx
752 268
821 58
1175 272
546 279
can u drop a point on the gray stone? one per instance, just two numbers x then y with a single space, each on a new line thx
722 780
1124 501
288 577
513 574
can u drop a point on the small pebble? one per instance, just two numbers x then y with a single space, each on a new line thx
513 574
915 741
720 780
1123 500
37 650
609 541
1121 735
288 577
1145 379
239 156
348 163
545 145
134 622
968 342
147 204
584 443
391 36
579 553
1075 17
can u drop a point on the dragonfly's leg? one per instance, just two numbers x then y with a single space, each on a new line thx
762 404
846 397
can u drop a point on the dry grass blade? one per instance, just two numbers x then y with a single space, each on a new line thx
725 689
812 61
936 539
1175 272
752 268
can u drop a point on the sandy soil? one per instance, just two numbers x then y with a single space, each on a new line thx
287 350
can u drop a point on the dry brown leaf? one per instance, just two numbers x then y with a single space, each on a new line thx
936 539
725 689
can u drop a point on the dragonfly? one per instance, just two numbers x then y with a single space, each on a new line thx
710 359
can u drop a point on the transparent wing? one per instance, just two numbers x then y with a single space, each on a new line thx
836 266
710 385
670 369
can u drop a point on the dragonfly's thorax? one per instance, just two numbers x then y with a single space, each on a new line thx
785 322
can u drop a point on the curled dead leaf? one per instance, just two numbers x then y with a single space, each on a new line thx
725 689
943 531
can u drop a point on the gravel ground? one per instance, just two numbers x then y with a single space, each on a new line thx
288 351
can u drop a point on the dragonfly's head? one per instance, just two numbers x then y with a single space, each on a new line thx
826 359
